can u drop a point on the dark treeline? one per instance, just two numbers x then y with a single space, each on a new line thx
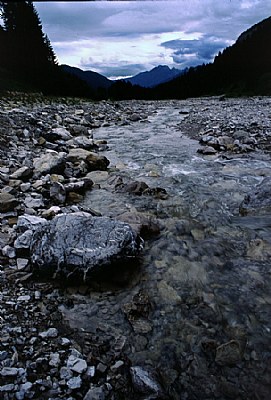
27 58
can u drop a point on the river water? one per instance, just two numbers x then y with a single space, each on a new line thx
197 308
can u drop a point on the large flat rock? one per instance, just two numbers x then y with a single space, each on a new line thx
78 244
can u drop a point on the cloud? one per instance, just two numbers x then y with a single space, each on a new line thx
196 51
135 34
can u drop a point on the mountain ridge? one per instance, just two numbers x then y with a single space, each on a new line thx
154 77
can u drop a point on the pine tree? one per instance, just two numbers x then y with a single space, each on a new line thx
28 49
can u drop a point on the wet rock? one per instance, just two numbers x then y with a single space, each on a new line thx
142 224
259 202
208 150
136 188
80 244
7 202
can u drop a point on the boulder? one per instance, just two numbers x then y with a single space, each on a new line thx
51 162
78 244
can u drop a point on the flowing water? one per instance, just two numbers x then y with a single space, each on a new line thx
204 281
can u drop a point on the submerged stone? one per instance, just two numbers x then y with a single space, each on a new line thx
78 244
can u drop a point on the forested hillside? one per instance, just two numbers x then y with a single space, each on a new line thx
241 69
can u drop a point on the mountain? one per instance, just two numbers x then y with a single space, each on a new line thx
93 79
241 69
154 77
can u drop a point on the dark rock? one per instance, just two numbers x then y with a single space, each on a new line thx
136 187
228 353
96 162
7 202
79 244
145 381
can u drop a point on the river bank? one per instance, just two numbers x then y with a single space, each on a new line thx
190 320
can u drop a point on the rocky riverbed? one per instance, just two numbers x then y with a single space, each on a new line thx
186 316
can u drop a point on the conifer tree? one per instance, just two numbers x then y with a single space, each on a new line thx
27 48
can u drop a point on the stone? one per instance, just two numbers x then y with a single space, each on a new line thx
29 222
96 162
50 333
207 150
74 383
118 364
7 202
77 154
7 388
23 241
23 173
49 163
78 130
228 353
22 263
54 359
95 393
65 373
81 142
93 160
9 371
78 244
58 134
76 364
145 381
57 193
31 202
8 251
25 187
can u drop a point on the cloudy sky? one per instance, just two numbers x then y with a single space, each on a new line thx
123 38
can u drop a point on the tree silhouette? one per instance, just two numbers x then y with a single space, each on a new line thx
27 48
26 52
